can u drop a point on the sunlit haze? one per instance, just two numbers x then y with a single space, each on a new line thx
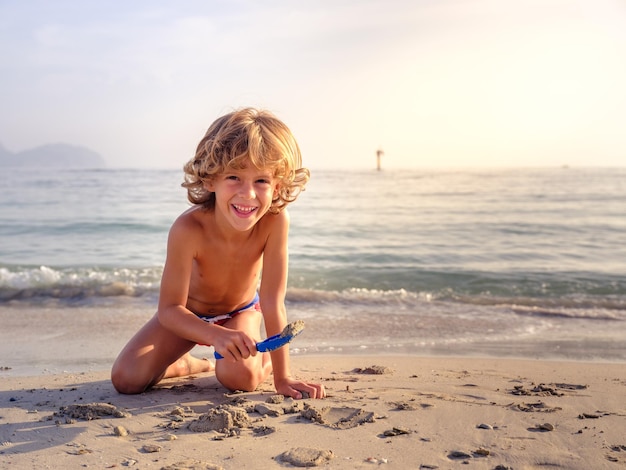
434 83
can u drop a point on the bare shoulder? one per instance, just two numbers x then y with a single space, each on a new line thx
274 220
275 223
190 223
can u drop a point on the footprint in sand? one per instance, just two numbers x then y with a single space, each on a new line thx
305 457
374 370
91 411
338 417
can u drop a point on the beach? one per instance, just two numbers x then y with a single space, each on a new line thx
59 409
458 319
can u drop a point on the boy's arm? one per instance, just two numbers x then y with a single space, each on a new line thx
273 289
272 294
175 282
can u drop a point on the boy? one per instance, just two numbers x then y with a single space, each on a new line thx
246 170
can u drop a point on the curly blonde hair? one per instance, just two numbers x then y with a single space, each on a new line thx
238 139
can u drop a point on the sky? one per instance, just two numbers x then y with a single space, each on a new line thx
433 83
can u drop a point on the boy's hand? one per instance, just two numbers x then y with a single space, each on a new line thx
234 345
296 389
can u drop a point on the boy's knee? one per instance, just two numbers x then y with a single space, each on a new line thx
123 383
240 378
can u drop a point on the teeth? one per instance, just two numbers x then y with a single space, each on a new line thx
243 209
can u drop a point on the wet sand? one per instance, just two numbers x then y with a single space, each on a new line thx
58 409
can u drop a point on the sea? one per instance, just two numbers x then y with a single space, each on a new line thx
524 262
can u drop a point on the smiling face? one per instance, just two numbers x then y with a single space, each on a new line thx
242 196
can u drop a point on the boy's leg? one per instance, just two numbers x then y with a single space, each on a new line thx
248 374
152 354
188 365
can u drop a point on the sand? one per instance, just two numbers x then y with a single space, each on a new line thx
292 329
381 411
58 408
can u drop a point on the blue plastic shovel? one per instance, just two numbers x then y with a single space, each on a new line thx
277 341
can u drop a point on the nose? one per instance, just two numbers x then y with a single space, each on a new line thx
246 190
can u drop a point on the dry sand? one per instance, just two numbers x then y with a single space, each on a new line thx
381 411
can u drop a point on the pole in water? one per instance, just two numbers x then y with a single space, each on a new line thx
379 153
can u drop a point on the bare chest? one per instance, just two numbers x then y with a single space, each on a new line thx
224 277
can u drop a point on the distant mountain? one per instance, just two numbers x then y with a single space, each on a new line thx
52 156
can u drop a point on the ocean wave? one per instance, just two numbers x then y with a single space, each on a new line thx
528 305
80 285
599 308
583 314
358 295
43 282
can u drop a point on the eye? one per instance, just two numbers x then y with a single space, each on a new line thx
264 179
231 177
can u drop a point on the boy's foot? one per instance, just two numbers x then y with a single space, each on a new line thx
189 365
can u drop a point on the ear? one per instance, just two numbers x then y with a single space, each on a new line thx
276 189
209 185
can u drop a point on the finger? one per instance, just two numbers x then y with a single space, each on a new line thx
248 349
234 353
251 347
316 390
292 392
311 391
244 353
